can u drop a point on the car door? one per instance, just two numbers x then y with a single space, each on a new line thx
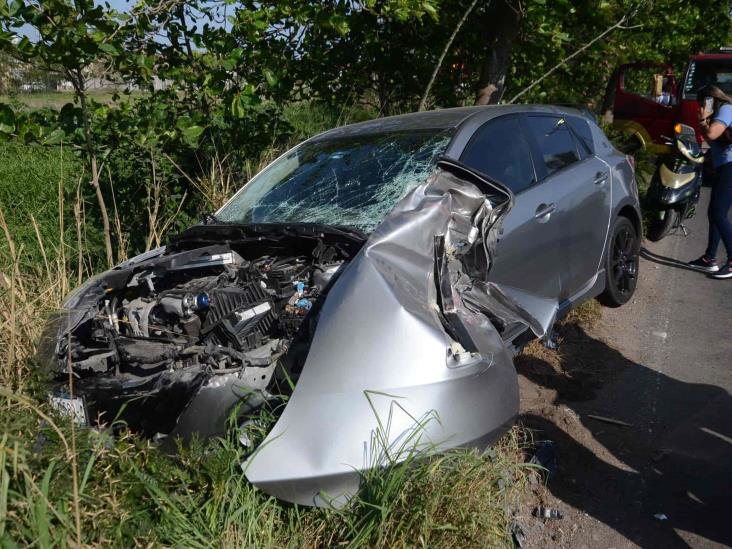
526 255
642 99
577 184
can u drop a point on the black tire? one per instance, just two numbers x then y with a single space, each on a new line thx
621 263
661 225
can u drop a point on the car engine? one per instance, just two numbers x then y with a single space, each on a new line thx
148 337
224 314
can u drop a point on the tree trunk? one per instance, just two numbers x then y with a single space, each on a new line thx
78 81
502 20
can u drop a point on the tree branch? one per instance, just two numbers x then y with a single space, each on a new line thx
618 25
78 81
438 66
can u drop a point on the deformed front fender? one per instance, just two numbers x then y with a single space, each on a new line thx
388 369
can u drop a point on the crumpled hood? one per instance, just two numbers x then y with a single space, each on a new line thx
404 355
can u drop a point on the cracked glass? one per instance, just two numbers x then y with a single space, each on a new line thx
353 181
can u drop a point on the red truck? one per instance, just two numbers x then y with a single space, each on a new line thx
646 99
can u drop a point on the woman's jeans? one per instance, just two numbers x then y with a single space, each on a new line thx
720 203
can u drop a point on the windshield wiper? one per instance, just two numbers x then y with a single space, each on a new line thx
210 219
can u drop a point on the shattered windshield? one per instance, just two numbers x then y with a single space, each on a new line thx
353 181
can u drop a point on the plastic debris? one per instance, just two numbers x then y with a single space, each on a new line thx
519 537
550 341
660 516
609 420
546 457
547 513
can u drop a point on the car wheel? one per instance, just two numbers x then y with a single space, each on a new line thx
621 264
660 226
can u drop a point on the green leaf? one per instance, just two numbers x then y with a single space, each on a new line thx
192 133
55 137
270 77
7 119
340 24
238 106
109 48
14 7
183 122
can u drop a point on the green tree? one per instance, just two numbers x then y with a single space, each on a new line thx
71 38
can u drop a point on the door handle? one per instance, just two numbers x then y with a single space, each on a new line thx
600 178
544 211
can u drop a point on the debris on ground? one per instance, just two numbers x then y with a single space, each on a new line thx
519 537
546 457
660 516
550 341
609 420
547 513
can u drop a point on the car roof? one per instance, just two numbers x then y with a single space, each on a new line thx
441 119
711 56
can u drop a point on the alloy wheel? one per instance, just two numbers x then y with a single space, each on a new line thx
624 260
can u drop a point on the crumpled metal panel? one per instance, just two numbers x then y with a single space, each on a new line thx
384 370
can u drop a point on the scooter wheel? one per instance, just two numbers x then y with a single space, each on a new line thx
661 225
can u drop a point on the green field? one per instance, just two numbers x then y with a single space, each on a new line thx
55 99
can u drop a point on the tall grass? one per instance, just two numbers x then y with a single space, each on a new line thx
61 486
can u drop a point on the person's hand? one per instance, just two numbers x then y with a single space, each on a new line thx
704 113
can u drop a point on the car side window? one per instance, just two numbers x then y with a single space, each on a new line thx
500 150
583 133
554 141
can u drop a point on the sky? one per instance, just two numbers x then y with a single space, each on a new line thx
119 5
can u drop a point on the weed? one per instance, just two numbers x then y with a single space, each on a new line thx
587 314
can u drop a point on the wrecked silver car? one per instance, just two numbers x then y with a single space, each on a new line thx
367 288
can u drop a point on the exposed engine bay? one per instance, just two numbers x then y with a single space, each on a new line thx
175 324
221 318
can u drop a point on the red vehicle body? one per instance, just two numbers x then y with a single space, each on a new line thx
646 99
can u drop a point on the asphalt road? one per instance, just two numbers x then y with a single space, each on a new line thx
670 378
681 330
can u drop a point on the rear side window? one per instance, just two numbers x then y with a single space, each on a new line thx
500 150
554 140
583 133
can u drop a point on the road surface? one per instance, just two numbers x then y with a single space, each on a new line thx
663 365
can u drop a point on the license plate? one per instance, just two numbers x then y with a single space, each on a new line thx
69 407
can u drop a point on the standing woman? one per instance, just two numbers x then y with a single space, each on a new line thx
716 124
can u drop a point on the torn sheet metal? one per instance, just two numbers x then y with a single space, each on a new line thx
403 356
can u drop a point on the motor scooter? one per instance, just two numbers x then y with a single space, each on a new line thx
676 184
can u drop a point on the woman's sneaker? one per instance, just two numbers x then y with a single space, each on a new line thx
705 264
724 272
